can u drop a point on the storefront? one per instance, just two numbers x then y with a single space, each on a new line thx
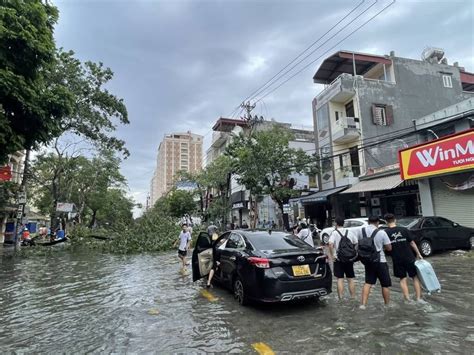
321 207
444 169
379 194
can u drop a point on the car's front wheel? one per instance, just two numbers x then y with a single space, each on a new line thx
426 248
325 238
239 292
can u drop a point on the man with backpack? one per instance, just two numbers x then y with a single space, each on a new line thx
403 256
343 250
372 242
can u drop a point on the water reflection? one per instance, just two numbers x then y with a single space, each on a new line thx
86 302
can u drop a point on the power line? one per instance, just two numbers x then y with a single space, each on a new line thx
411 130
313 61
314 50
258 90
365 147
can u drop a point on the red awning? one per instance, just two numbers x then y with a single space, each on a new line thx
228 124
341 62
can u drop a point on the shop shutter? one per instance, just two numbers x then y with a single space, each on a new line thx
455 205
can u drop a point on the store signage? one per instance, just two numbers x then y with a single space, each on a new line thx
454 153
5 173
64 207
238 205
316 199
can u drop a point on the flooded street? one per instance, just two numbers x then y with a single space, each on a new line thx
84 302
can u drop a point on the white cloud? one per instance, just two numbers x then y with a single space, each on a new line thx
254 64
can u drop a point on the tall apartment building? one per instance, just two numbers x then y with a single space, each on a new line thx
367 99
177 152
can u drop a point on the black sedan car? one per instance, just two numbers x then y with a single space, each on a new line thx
437 233
263 266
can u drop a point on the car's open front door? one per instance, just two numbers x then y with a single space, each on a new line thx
202 256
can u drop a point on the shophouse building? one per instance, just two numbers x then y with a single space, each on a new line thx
369 102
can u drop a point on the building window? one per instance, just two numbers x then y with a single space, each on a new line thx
447 82
337 115
382 115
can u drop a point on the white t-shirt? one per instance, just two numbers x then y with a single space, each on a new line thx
305 235
184 238
335 238
380 239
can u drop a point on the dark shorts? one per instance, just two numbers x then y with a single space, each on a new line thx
402 269
182 253
341 269
374 271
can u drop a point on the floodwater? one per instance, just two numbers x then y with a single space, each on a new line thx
78 302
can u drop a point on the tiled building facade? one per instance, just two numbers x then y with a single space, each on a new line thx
177 152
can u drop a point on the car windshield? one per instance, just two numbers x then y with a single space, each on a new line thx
407 222
276 241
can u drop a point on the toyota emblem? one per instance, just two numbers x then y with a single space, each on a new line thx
301 258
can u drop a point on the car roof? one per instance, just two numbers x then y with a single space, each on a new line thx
259 233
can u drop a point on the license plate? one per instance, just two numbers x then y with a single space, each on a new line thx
301 270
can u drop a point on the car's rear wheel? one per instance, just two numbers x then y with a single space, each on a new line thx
426 248
239 292
325 238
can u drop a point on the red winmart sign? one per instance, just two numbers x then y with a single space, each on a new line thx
453 153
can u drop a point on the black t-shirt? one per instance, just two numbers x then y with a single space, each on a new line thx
401 249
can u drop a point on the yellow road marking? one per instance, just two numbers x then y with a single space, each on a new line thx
154 312
209 296
263 349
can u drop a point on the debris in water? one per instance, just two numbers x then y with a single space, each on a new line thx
154 312
341 328
459 253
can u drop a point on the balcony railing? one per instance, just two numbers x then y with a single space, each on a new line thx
348 122
347 130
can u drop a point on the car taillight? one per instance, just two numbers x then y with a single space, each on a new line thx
262 263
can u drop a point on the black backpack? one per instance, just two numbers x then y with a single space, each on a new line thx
346 251
367 251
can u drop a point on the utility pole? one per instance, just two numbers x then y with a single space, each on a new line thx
251 120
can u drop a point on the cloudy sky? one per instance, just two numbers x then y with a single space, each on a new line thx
180 65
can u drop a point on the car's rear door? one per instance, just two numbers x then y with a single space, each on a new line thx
202 256
229 256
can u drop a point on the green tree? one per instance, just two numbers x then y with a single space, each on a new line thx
116 210
180 203
45 92
95 111
216 179
30 105
263 162
65 176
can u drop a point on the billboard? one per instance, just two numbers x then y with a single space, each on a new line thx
454 153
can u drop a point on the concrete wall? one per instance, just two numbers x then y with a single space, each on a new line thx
418 90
